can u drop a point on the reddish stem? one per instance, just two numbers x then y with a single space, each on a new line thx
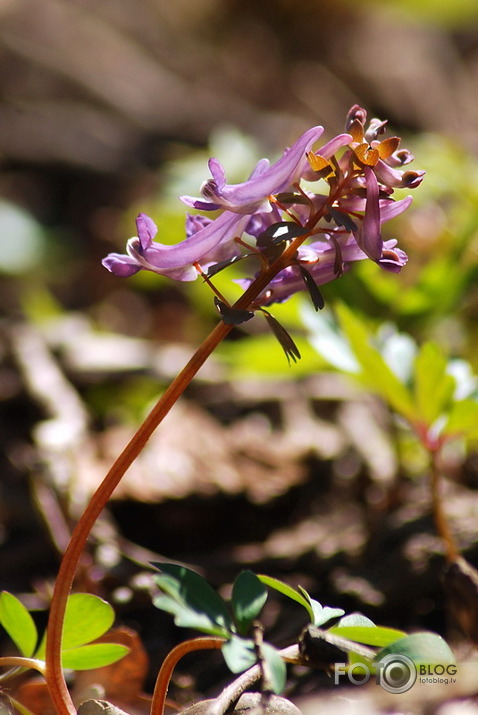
169 663
54 672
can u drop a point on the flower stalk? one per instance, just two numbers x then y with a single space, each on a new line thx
303 239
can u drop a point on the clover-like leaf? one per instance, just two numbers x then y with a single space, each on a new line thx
18 623
191 600
248 598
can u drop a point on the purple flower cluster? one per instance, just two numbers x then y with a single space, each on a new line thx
356 173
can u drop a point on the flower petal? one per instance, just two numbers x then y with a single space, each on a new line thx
121 265
369 237
147 230
252 195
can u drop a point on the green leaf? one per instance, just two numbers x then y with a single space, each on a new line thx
95 655
191 600
239 654
248 598
87 617
375 372
18 623
375 636
426 648
275 668
288 591
433 387
463 420
322 614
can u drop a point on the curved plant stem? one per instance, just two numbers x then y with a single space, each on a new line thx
55 678
169 664
54 673
441 522
14 661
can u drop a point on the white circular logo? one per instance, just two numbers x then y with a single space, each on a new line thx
396 673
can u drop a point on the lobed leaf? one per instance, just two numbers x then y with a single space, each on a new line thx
18 623
191 600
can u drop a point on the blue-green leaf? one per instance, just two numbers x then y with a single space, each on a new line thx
248 598
191 600
421 648
239 654
275 668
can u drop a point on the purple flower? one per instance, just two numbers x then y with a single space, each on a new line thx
176 261
300 238
253 195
